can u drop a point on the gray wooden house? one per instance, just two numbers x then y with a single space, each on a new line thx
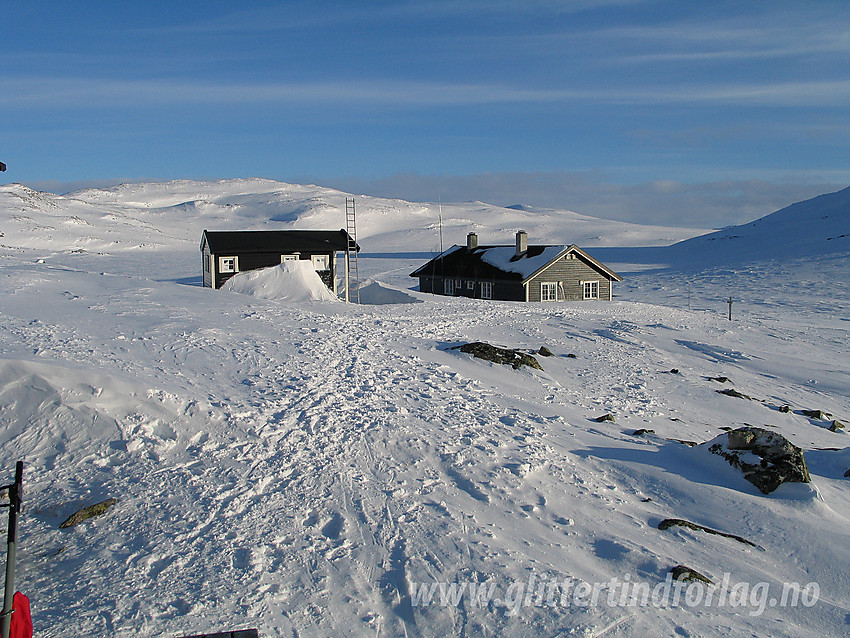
517 273
225 253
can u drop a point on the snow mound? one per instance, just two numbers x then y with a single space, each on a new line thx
376 293
290 281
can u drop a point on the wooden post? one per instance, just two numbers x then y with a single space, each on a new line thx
730 308
15 498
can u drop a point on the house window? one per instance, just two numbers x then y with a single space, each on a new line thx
486 289
206 262
458 285
548 291
449 286
228 264
320 262
591 289
470 285
293 257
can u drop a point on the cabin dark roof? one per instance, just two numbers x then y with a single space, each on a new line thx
502 262
265 241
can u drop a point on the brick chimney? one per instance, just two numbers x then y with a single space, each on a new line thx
471 241
521 242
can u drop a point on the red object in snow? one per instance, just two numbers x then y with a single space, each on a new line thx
21 626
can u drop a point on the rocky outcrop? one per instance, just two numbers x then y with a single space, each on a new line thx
604 418
504 356
684 573
816 414
98 509
780 460
732 392
667 523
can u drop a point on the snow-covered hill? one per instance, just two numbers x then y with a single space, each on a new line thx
817 226
167 214
311 468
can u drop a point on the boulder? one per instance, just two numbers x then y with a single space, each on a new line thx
732 392
816 414
780 460
642 431
98 509
836 426
504 356
544 352
604 417
681 572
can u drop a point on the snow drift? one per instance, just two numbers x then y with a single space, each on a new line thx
289 281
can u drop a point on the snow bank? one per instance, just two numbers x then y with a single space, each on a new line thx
376 293
290 281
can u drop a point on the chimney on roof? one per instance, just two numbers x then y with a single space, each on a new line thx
521 242
472 241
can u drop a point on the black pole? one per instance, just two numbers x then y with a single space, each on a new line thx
15 498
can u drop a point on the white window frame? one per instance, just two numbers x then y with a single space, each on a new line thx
486 289
321 260
548 291
470 285
290 257
448 286
233 266
590 289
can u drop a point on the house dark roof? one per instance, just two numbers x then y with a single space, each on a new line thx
502 262
270 241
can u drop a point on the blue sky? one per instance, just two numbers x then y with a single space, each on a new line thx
694 113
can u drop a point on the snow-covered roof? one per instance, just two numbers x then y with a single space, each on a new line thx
503 262
242 241
505 258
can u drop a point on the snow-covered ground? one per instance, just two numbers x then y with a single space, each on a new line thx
308 467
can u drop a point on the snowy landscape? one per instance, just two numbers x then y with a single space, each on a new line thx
308 467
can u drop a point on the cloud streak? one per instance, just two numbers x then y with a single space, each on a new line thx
110 93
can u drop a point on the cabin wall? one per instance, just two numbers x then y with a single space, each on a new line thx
501 290
253 261
570 273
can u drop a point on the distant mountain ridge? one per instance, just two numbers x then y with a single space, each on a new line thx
171 214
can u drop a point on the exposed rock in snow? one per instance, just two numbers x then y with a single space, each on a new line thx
732 392
504 356
92 511
289 281
679 522
766 458
684 573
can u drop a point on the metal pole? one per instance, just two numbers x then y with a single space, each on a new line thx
730 308
15 496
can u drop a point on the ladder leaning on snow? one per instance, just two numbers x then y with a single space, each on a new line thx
351 279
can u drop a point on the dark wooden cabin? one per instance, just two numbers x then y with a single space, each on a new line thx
517 273
227 252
